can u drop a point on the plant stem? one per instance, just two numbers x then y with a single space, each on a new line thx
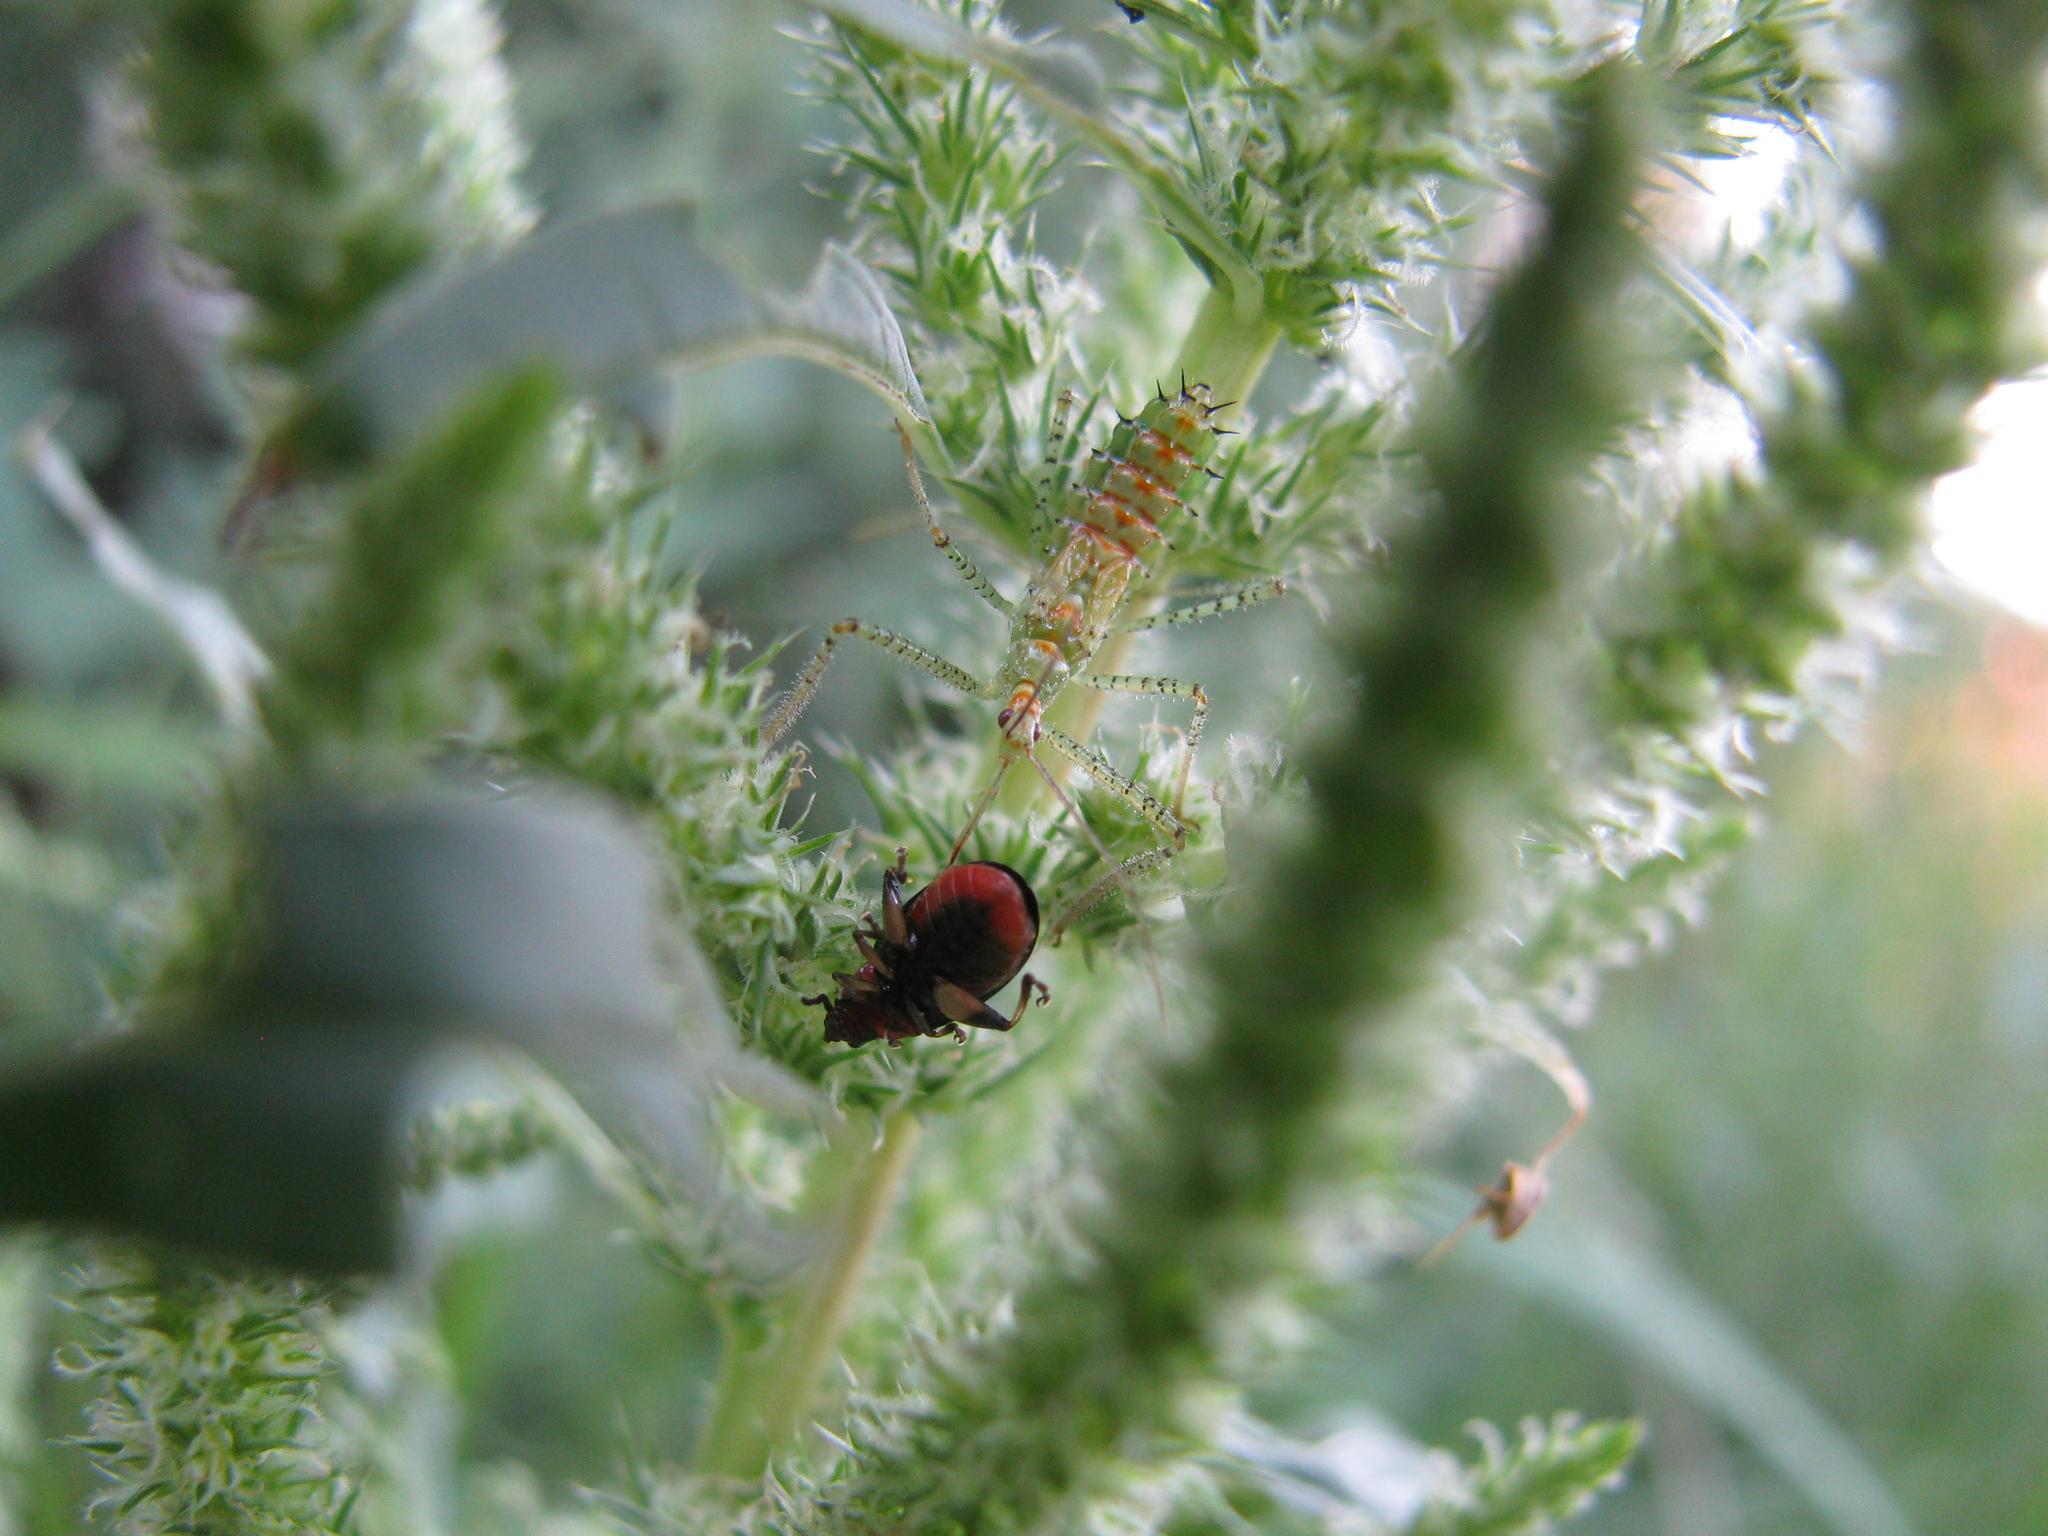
1225 352
763 1395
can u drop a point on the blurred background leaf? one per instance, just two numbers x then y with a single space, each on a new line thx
1817 1120
607 300
1803 1237
268 1126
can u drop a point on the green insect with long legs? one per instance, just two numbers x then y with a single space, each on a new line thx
1115 516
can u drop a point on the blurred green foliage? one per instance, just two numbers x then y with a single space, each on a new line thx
322 288
1821 1112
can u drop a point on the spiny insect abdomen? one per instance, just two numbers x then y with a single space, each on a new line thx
1134 485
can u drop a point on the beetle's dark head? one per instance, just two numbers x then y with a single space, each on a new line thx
868 1007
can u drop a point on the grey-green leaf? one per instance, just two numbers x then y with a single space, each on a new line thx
266 1124
605 300
1060 77
272 1145
528 921
1622 1293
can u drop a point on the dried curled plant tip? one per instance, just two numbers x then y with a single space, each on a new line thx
932 962
1510 1203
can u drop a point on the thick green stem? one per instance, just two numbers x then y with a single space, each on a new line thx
1224 351
763 1395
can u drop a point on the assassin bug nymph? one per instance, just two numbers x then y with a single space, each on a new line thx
1114 516
932 962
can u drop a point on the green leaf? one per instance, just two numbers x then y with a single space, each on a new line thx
603 301
67 223
108 747
525 921
276 1146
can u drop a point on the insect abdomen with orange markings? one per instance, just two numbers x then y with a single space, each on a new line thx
1122 505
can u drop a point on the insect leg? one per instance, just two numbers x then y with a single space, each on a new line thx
1136 864
866 946
1169 688
944 540
895 927
1080 755
1055 441
1134 795
963 1007
1208 608
806 684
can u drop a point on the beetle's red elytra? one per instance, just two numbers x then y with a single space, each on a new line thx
932 961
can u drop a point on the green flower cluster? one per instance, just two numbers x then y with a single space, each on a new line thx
1340 145
207 1417
323 153
946 170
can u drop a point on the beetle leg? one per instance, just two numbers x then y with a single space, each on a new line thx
894 927
1024 998
963 1007
867 951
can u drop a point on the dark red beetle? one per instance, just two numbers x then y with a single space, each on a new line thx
934 958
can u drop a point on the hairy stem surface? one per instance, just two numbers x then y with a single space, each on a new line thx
763 1396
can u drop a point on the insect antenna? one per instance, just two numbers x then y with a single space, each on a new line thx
980 808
